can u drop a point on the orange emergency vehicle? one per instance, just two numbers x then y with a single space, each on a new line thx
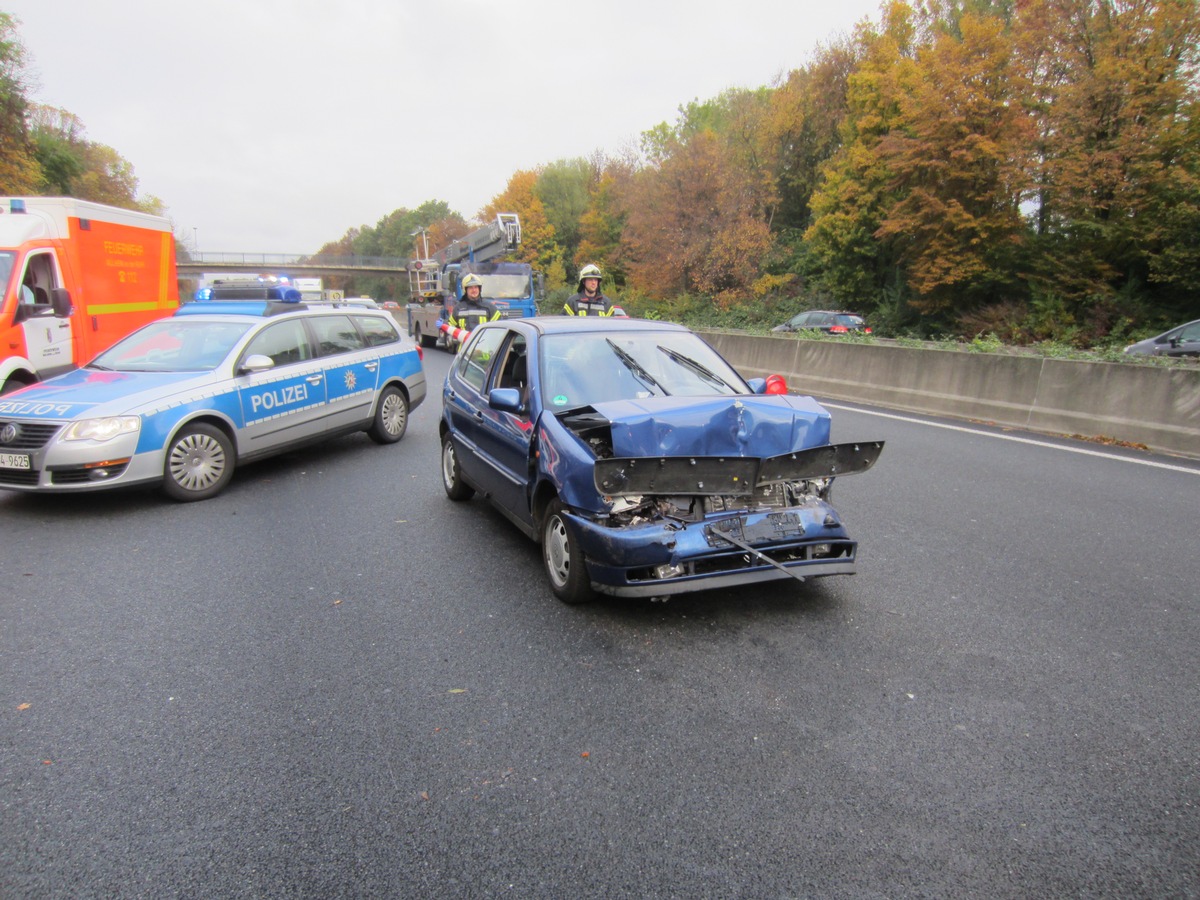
77 276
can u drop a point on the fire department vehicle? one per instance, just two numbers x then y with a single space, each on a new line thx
76 277
510 289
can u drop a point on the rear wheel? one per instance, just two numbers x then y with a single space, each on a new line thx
391 417
456 488
563 559
199 463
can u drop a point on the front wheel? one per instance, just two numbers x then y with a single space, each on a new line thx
199 463
456 488
562 558
391 417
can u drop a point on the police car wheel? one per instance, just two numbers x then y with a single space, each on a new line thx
456 488
199 463
563 560
391 417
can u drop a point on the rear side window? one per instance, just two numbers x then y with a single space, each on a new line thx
377 330
335 334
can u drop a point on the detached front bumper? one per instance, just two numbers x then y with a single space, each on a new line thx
670 557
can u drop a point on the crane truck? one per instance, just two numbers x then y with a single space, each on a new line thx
510 289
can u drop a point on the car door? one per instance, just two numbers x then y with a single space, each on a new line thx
503 439
47 335
351 370
466 407
286 403
1186 342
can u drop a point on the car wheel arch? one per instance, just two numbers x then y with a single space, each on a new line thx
207 418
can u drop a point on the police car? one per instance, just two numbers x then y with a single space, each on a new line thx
185 399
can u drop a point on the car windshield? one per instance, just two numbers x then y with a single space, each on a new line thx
6 266
505 287
173 345
584 369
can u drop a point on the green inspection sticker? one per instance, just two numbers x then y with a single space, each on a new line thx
560 400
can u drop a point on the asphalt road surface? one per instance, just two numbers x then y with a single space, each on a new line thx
330 681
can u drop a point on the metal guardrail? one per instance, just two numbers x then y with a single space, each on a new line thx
270 260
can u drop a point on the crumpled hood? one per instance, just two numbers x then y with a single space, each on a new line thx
85 392
759 425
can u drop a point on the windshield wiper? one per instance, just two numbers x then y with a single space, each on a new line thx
100 368
696 367
636 367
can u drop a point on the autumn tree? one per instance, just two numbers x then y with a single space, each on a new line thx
856 189
953 157
603 223
694 222
19 170
564 187
1117 200
801 130
539 245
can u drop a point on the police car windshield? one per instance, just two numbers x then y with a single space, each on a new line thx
173 345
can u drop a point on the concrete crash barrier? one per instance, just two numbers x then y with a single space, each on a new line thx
1151 405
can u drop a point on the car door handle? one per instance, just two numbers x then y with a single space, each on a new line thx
479 415
371 366
314 379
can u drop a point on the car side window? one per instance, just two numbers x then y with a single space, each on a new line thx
513 371
477 356
1190 333
285 342
377 330
335 334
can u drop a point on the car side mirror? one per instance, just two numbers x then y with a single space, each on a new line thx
506 400
255 362
60 301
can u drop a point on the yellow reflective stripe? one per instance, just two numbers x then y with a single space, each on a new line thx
100 309
569 311
167 284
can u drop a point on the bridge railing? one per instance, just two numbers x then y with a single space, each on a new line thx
274 260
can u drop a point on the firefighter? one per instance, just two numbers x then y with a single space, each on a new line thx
589 300
472 299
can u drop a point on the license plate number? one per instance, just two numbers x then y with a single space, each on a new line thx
14 461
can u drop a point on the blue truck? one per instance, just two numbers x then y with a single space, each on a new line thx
510 289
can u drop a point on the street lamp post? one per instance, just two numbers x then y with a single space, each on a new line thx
196 240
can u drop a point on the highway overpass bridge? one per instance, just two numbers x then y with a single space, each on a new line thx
292 264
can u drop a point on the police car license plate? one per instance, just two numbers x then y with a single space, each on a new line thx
14 461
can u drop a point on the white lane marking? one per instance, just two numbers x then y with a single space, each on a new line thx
1019 440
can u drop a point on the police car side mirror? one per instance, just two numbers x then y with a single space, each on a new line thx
506 400
256 362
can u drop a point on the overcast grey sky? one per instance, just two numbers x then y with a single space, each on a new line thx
269 126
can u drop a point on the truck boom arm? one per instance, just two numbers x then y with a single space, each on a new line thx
492 240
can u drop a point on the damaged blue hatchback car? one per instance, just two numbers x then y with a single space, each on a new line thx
640 460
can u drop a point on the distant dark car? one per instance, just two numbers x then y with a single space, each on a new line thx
828 321
641 461
1183 340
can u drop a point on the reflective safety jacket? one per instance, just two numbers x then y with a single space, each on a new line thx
583 305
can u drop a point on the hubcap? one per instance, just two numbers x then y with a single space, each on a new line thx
393 414
557 551
197 462
448 464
